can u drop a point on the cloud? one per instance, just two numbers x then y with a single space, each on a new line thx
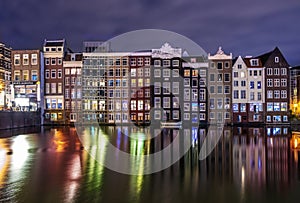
243 27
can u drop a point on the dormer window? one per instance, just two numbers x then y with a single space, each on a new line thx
193 60
276 59
254 62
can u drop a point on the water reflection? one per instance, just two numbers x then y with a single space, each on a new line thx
247 164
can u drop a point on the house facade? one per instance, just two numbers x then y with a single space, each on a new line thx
166 64
139 86
72 68
256 90
220 87
5 76
277 92
194 73
239 91
26 80
54 81
105 87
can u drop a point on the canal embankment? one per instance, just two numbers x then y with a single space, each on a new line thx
11 119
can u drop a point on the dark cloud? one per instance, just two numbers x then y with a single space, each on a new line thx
242 27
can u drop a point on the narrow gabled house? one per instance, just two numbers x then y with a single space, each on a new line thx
166 63
239 91
277 87
255 90
54 81
72 86
219 83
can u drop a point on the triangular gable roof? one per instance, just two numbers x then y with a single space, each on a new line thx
267 59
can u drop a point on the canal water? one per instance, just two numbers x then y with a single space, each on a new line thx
62 164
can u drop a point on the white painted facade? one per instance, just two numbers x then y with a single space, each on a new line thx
239 81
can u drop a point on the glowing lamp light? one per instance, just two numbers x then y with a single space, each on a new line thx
295 143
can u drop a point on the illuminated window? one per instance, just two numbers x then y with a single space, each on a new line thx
195 73
59 88
47 88
53 88
17 75
283 106
269 106
269 94
34 75
25 59
235 107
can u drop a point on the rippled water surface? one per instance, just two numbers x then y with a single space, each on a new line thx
55 165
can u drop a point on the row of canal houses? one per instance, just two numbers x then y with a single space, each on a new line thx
164 85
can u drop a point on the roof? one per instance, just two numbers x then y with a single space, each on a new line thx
54 43
249 65
265 57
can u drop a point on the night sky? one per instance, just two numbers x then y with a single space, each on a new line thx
239 26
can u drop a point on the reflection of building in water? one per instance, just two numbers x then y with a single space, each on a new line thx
249 160
277 160
219 162
260 156
295 146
